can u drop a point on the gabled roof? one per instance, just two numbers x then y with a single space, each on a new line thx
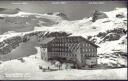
89 42
83 39
50 39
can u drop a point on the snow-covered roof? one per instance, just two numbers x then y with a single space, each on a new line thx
75 37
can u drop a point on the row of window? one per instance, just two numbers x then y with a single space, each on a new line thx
86 44
67 40
88 50
69 44
59 49
63 54
58 44
89 55
64 44
66 49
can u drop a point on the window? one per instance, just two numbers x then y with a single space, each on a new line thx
90 49
70 54
83 45
85 55
92 54
65 54
66 49
65 44
89 55
83 49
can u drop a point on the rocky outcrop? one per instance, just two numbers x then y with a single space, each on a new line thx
111 37
9 11
9 44
98 15
60 14
120 16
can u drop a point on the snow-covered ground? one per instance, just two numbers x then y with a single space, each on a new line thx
83 74
71 74
108 46
29 70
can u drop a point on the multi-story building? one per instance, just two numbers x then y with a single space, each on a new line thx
75 48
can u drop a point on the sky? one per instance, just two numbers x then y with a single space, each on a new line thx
74 10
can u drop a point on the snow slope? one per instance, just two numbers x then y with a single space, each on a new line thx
30 71
86 27
24 21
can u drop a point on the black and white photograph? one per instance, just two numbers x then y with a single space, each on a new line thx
63 40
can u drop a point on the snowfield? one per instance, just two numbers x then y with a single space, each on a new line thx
83 75
29 70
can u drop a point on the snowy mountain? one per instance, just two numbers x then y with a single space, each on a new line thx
24 21
106 29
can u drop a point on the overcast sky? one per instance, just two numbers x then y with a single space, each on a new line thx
73 9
